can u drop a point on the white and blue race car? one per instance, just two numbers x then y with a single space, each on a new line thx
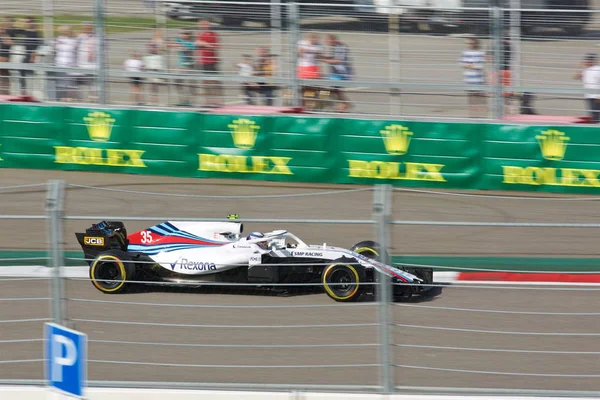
208 252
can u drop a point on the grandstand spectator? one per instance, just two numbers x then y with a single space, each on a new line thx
341 69
135 65
590 75
31 40
185 46
6 43
473 63
245 69
65 47
207 61
154 62
86 59
265 67
310 52
158 41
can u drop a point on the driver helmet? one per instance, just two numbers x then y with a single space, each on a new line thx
257 235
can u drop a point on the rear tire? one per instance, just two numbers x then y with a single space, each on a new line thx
342 280
111 270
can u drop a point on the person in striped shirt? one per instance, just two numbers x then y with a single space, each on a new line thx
473 63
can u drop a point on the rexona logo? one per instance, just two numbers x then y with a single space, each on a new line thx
99 127
396 140
244 133
553 146
184 263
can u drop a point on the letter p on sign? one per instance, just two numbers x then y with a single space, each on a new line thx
66 359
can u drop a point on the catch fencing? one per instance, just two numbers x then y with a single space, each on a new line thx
465 338
406 60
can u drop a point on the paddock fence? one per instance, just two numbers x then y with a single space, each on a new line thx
406 60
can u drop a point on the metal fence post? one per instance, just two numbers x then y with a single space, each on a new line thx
394 58
48 17
276 28
54 212
382 210
101 56
497 31
515 42
294 36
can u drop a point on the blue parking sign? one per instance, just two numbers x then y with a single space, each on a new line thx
66 359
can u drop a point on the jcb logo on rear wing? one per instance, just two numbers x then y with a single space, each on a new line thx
93 241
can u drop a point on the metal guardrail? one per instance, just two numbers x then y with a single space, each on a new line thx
284 82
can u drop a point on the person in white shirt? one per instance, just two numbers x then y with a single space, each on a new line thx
590 76
246 69
86 59
135 65
65 47
310 52
473 63
154 62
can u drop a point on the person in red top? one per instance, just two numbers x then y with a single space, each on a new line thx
207 60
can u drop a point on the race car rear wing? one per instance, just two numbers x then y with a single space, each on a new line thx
103 236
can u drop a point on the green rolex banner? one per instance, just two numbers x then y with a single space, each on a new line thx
266 148
408 153
302 148
239 147
556 159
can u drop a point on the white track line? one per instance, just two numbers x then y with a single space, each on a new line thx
40 271
530 283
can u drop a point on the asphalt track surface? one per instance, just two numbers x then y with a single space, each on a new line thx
532 349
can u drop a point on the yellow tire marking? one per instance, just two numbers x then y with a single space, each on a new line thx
360 249
328 289
121 267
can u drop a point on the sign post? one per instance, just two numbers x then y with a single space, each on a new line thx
66 359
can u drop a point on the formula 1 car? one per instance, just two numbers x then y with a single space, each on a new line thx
204 252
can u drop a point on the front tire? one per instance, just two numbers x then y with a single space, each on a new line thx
111 270
370 249
342 281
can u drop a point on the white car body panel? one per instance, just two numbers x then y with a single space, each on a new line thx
205 248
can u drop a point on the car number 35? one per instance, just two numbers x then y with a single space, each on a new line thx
146 237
